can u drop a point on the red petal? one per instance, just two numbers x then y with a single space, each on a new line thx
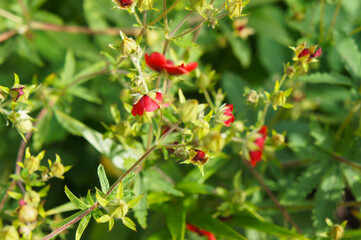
149 104
159 98
155 61
263 131
191 66
176 70
138 108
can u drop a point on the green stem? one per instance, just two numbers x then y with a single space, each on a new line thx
165 13
208 98
347 120
322 16
190 30
357 30
334 18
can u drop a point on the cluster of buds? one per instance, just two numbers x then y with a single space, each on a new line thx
278 98
116 207
235 7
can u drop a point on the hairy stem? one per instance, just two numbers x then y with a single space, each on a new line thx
6 35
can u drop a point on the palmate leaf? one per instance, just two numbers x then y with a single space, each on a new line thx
349 52
309 180
325 78
176 220
327 196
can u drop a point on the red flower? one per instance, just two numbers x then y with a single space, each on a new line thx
147 104
311 55
201 232
200 158
123 3
228 113
158 63
256 155
16 93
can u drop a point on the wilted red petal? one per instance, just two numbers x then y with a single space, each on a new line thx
304 52
316 54
155 61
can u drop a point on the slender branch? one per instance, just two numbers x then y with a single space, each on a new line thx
35 25
68 224
271 195
6 35
348 162
190 30
24 9
10 16
357 30
208 98
165 12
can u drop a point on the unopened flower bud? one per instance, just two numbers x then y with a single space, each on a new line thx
253 97
9 233
278 98
21 121
117 208
144 5
290 71
238 126
16 92
127 47
32 163
336 232
188 110
215 141
57 169
28 214
278 139
235 7
203 81
32 198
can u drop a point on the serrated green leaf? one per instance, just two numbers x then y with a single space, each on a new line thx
120 193
354 181
82 225
104 183
176 220
206 222
66 220
76 201
349 52
129 223
99 196
141 209
309 180
325 78
327 196
184 43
